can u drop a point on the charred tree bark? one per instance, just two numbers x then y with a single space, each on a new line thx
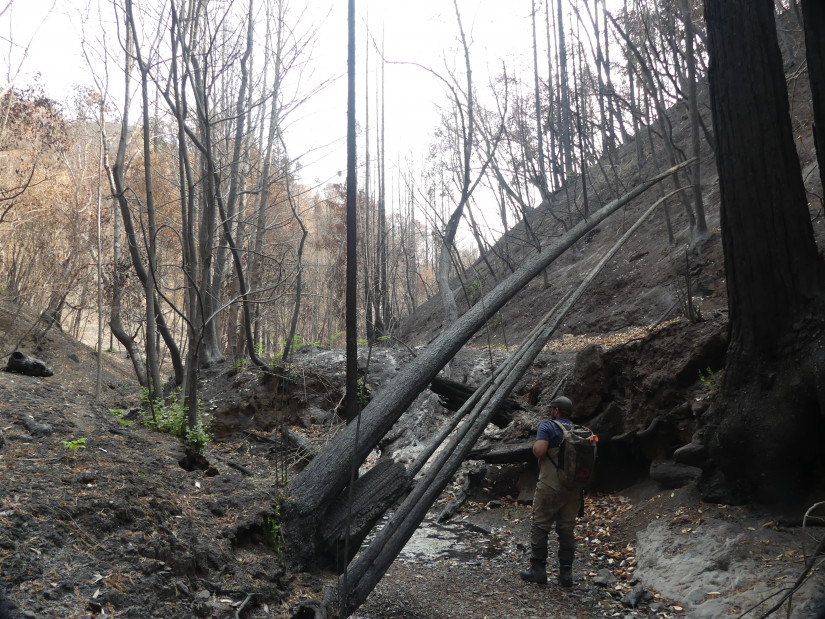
566 149
701 232
351 406
373 494
764 433
22 363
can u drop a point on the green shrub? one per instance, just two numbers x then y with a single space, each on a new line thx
172 417
711 382
120 415
198 437
78 443
272 532
364 394
474 287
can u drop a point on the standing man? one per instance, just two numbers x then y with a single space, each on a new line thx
553 502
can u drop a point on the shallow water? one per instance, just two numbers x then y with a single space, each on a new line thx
451 540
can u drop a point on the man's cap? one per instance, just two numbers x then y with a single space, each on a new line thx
562 403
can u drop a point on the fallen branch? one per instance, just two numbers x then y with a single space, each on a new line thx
240 468
809 565
242 605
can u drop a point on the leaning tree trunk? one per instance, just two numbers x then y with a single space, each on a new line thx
701 232
765 432
299 261
113 173
314 490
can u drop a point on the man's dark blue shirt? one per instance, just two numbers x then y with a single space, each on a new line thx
550 432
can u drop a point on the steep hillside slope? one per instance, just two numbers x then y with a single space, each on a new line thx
647 280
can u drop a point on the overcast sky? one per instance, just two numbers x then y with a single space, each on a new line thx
415 31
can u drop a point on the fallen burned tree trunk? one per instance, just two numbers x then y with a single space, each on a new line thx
311 493
504 454
373 494
22 363
453 395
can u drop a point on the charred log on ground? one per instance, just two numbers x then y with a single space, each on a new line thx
22 363
453 395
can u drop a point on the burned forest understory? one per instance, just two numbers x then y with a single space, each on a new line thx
623 284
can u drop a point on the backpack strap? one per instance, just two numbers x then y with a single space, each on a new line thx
563 430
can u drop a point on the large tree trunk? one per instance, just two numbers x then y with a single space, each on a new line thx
150 282
453 395
353 517
115 176
765 431
314 490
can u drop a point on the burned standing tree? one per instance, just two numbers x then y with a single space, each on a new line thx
466 114
764 433
351 404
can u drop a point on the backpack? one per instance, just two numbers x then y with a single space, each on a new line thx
577 456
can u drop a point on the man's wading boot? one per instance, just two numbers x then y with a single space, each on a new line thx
536 573
538 557
566 574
